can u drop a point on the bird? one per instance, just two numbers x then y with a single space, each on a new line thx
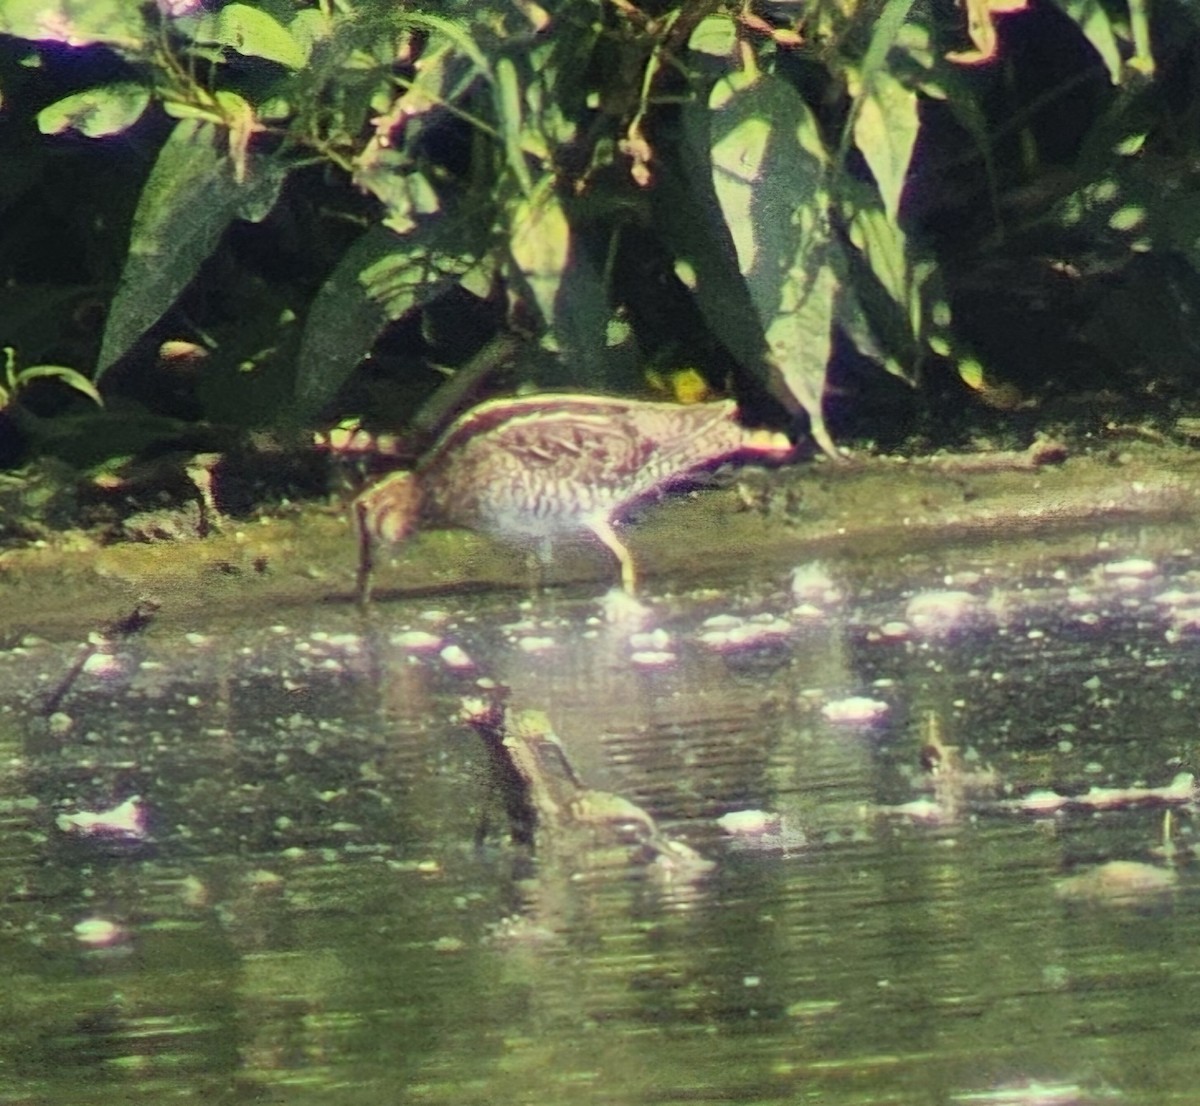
532 468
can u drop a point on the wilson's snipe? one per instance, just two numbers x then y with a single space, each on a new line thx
544 465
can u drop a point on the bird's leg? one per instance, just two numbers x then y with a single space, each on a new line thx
200 472
386 511
366 555
603 529
536 562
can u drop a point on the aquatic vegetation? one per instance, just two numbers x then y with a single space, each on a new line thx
1180 791
126 820
1119 881
99 932
733 633
856 710
941 612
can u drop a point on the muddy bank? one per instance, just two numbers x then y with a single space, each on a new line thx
873 509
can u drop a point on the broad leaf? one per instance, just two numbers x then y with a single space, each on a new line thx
540 245
96 112
688 216
887 305
457 31
884 247
509 112
381 277
769 170
716 36
119 24
70 377
343 322
800 341
253 33
582 317
887 32
404 191
885 118
885 130
981 28
878 308
421 268
1097 28
238 117
189 199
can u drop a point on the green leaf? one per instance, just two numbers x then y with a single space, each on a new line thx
688 217
253 33
800 340
883 303
582 315
405 192
1142 61
885 130
119 24
887 35
508 111
308 27
70 377
381 277
769 172
715 35
423 268
456 31
189 199
178 110
884 246
1097 28
540 245
96 112
886 32
343 322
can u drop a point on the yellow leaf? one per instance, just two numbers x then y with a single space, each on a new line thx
982 29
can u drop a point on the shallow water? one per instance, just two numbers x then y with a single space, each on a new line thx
324 906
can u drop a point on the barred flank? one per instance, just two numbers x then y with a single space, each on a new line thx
537 466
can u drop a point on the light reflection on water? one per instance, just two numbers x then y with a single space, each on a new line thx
319 911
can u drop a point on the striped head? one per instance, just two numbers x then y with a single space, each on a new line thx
388 510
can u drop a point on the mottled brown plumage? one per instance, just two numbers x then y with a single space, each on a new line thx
536 467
